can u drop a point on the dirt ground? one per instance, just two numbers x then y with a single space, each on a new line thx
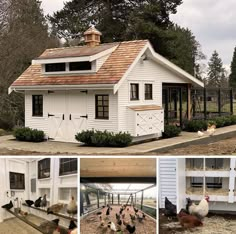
91 223
223 147
212 224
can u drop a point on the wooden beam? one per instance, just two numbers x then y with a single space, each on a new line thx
131 180
56 214
189 102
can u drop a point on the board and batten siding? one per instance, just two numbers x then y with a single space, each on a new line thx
40 123
167 180
102 124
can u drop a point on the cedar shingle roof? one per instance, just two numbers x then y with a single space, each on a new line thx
110 73
75 51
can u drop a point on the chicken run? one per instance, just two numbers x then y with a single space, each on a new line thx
112 213
52 212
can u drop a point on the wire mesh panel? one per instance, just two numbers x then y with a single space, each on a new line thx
211 102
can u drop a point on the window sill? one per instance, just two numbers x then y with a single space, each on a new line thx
48 178
68 175
134 99
148 99
101 119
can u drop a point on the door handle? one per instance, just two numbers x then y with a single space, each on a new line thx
63 117
84 116
70 117
49 115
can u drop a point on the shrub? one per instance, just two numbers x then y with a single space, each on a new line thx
104 138
220 122
85 136
171 131
196 125
29 134
233 119
2 132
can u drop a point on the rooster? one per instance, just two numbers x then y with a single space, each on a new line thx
187 220
201 210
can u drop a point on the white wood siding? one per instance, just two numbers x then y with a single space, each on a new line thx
99 124
40 123
167 180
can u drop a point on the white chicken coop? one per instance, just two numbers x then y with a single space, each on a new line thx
28 179
196 177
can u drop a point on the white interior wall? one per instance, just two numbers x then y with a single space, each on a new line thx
57 186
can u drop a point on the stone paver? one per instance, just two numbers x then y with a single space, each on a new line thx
161 145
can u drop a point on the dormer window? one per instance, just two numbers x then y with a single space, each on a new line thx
80 66
55 67
69 67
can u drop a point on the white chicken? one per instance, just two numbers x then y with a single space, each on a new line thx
112 226
201 210
200 134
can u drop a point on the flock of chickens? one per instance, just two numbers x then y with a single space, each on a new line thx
49 226
190 217
104 217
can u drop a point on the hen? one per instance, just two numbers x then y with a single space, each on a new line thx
38 202
55 208
201 210
72 207
43 202
8 206
187 220
29 202
49 226
170 209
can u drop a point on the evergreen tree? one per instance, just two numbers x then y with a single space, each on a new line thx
216 72
232 76
24 36
130 20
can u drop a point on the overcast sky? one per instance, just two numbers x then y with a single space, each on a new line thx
213 22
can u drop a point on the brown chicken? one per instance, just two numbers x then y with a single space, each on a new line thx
55 208
188 221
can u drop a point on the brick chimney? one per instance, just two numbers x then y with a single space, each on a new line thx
92 37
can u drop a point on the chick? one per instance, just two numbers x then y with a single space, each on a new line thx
211 131
72 207
132 217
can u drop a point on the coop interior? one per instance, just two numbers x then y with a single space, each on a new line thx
207 176
30 179
123 185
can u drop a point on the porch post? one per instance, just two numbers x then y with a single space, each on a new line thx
81 203
231 102
189 103
219 101
98 197
205 104
180 108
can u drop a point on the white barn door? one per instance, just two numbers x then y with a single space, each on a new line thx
77 111
56 116
67 114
